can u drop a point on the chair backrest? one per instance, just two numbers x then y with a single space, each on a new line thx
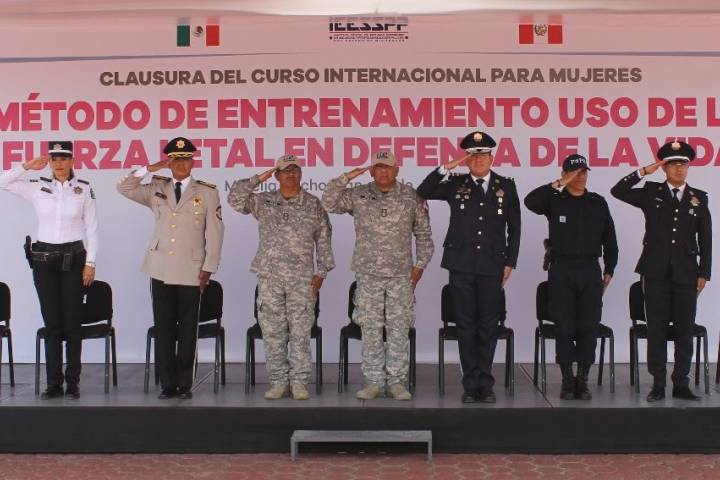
4 303
317 306
97 303
351 299
447 314
542 303
636 299
211 303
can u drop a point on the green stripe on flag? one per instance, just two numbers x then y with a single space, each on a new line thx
183 35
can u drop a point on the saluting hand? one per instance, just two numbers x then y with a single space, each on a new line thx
356 172
449 166
204 279
88 275
567 177
265 175
650 169
37 163
158 165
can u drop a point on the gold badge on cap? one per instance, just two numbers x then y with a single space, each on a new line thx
180 144
477 137
57 146
675 145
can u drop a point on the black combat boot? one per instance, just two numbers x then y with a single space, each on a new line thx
581 387
567 391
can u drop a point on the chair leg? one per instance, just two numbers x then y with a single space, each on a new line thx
107 363
248 346
216 366
632 359
697 361
37 364
717 368
636 362
612 363
346 366
707 365
341 369
511 348
535 363
222 356
147 363
412 366
441 364
11 362
318 363
113 352
601 363
543 366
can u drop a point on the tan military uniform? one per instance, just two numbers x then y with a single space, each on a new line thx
188 234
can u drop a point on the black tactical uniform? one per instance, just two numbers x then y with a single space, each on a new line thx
581 230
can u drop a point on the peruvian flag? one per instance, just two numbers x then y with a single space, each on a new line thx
532 33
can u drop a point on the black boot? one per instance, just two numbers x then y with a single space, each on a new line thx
567 391
581 387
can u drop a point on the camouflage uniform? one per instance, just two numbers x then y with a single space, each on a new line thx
291 232
382 262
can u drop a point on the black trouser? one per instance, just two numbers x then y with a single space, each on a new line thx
476 303
575 290
176 309
668 302
60 294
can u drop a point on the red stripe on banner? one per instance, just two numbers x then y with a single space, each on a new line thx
555 34
526 34
212 35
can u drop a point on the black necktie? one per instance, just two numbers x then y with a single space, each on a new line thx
479 182
676 199
178 192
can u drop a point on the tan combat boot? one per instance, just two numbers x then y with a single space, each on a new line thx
277 392
399 392
299 392
370 391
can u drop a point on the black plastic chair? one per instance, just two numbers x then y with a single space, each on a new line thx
638 330
96 318
5 330
448 332
547 330
209 326
255 333
352 330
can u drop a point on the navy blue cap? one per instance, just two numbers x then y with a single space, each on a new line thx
179 147
575 162
676 151
477 142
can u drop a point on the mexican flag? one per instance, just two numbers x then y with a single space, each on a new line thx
536 33
210 32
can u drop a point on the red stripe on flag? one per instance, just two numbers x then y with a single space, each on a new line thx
526 34
555 34
212 35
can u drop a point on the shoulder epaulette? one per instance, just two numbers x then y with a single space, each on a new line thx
160 177
45 179
206 184
83 181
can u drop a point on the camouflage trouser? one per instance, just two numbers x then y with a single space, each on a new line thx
384 302
286 315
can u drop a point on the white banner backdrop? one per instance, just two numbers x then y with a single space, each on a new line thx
332 90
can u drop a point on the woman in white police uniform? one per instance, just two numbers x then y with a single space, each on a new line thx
62 263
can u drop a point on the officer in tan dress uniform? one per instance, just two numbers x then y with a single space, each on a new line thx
183 253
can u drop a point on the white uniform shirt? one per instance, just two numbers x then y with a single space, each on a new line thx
65 211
